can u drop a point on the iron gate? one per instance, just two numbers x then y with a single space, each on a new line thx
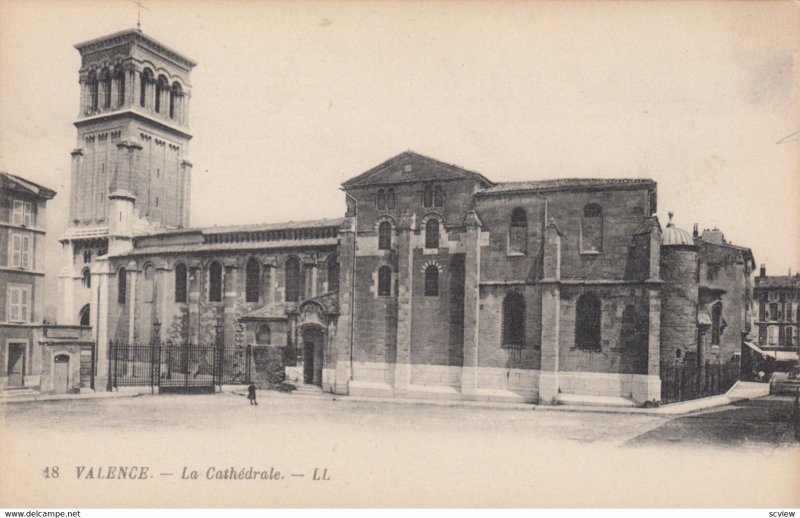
684 381
183 368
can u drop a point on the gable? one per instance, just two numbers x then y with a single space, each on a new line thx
410 167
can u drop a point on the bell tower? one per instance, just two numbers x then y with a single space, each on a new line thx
130 168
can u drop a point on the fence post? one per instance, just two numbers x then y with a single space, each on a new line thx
797 415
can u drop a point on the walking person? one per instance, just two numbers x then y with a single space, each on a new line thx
251 393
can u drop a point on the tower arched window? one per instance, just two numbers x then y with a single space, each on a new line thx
215 282
391 200
385 236
333 273
384 281
514 321
432 233
94 93
161 86
252 280
120 79
381 199
174 97
716 323
431 281
518 231
592 229
106 89
84 317
263 335
588 316
181 278
292 293
147 78
122 285
87 278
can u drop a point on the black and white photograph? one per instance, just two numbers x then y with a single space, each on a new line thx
399 254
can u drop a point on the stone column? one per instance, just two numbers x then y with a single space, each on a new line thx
84 108
551 315
130 300
472 274
405 293
77 164
186 182
343 340
231 287
650 388
101 273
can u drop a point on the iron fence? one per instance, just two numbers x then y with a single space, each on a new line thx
685 381
177 367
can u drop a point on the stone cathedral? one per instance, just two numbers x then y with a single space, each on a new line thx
434 282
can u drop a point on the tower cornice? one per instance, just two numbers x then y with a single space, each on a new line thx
138 37
133 113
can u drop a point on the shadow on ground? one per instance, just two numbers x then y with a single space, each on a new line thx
764 421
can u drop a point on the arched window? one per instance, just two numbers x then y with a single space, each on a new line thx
120 79
390 199
149 283
385 236
518 232
94 99
174 95
431 281
384 281
252 280
587 322
592 229
716 323
87 278
84 316
432 233
514 321
106 89
333 273
292 279
381 199
215 282
161 85
438 196
122 286
147 77
263 335
181 279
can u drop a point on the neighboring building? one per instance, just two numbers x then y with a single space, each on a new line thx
437 283
30 349
778 304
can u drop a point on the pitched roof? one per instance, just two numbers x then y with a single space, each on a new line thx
413 167
567 184
12 181
778 281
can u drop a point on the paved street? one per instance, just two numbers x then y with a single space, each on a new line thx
379 454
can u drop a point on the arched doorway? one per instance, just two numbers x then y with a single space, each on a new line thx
61 374
313 343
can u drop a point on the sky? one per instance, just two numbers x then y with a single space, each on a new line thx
290 99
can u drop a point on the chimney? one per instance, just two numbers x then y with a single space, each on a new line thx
695 233
713 236
763 271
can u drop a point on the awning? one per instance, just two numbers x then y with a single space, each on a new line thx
782 356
